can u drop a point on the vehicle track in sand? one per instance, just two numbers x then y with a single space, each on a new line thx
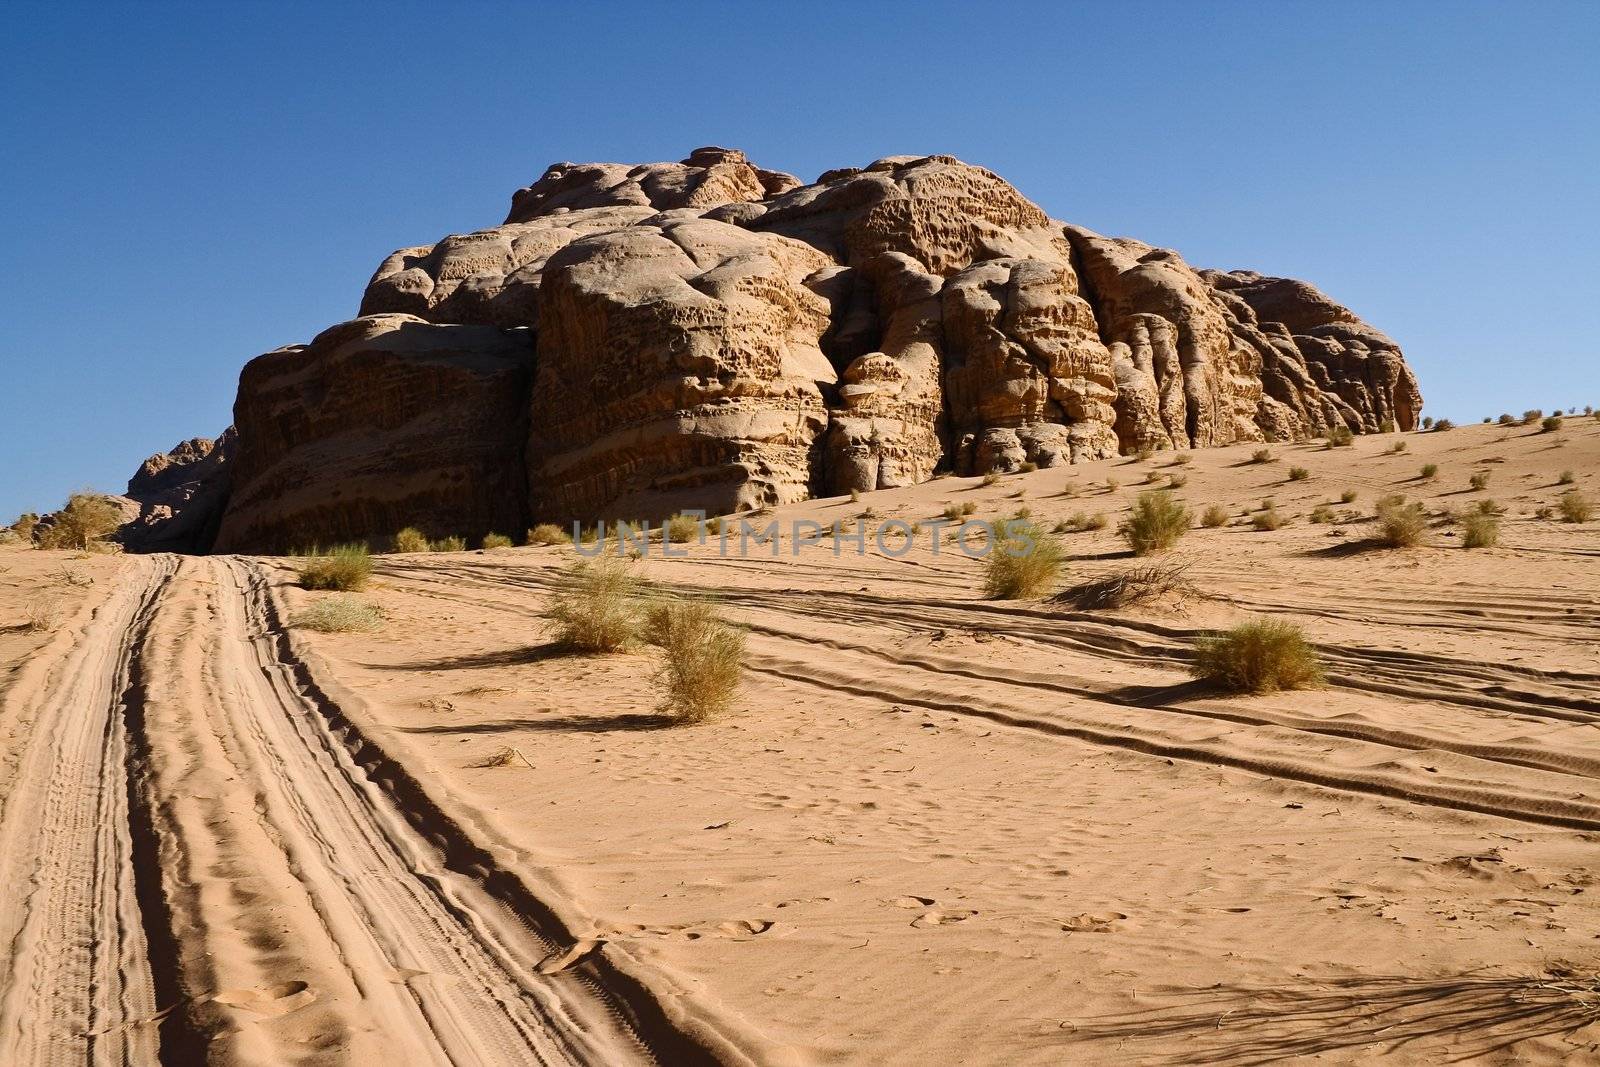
202 860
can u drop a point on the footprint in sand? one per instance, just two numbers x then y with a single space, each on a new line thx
942 917
272 1001
1093 924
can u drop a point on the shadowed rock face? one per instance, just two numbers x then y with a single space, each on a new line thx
636 340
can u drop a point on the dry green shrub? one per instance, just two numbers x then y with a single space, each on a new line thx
1480 530
681 529
703 661
1268 519
1027 467
1574 507
1144 453
494 540
86 519
1398 447
1151 477
24 525
1112 485
448 544
1479 481
1322 515
990 478
1133 587
1430 471
1258 657
1155 523
1531 416
1567 478
548 533
409 540
1348 496
43 614
1183 459
597 607
855 496
1216 515
1097 521
1177 481
1402 525
1341 437
345 568
338 615
1551 424
1298 474
1024 561
1262 455
1442 425
1507 419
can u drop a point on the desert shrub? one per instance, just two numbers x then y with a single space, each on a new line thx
1348 496
1574 507
1023 513
1177 481
1544 511
1155 524
494 540
42 614
1531 416
1151 477
1216 515
681 529
1258 657
703 659
1507 419
1097 521
597 606
345 568
1430 471
1397 448
1322 514
1427 423
1112 485
1551 424
408 540
1442 425
988 479
1402 525
1488 507
24 525
1479 481
1023 563
1262 455
1028 467
86 519
1480 530
337 615
1132 587
1566 478
448 544
1183 459
1268 519
1144 453
1298 474
1341 437
954 512
548 533
1386 426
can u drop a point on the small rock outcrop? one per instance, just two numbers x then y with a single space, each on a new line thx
636 340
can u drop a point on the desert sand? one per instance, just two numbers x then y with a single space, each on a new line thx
936 828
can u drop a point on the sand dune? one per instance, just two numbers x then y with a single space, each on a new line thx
938 828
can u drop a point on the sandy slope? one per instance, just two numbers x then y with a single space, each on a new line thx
939 830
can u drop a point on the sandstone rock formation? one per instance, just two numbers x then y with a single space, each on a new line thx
181 495
636 340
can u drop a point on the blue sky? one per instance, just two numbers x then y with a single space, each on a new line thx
187 187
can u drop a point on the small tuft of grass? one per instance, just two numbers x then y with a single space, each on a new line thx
1341 437
1263 455
1216 515
1177 481
1258 657
1479 481
1322 515
855 496
339 615
1024 562
681 529
703 660
1155 524
1480 530
1398 447
1268 519
1133 587
1402 525
1430 471
597 607
1298 474
988 479
345 568
1348 496
43 614
408 540
548 533
494 540
1574 507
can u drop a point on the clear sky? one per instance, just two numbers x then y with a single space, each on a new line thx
183 187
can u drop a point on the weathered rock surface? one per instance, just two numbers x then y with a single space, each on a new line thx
181 495
383 422
636 340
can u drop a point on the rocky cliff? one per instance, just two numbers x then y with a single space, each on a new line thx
636 340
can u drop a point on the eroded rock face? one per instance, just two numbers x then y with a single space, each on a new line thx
710 334
380 423
181 496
